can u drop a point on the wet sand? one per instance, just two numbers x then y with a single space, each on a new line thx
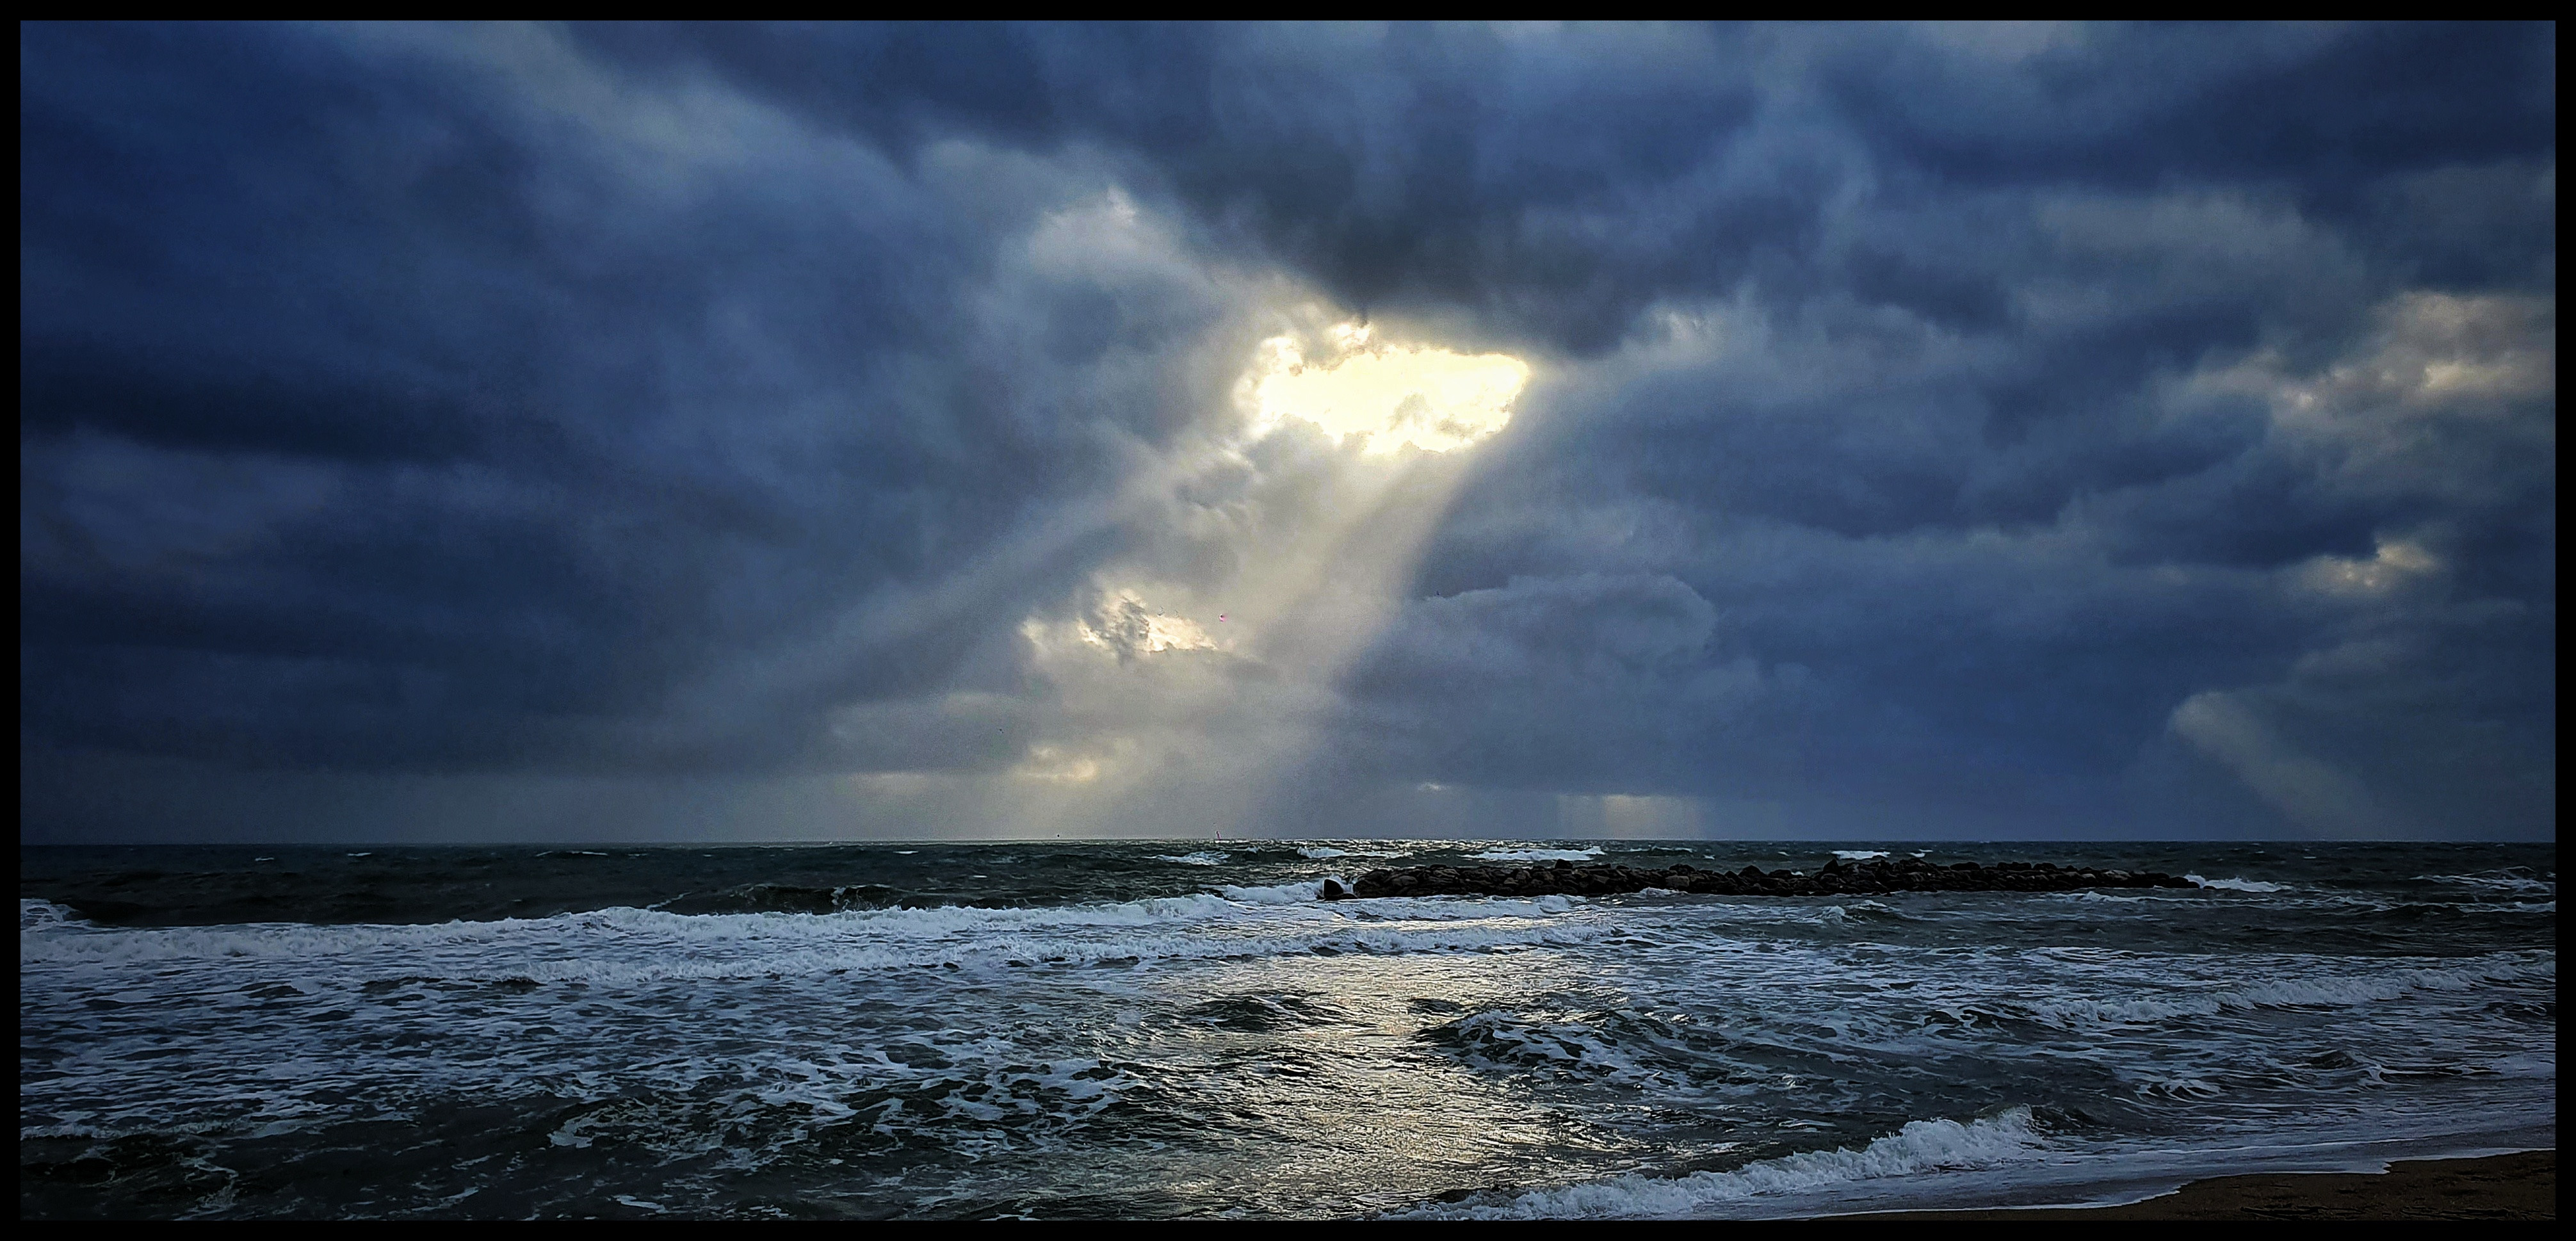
2519 1186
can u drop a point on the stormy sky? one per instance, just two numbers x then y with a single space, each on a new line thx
649 433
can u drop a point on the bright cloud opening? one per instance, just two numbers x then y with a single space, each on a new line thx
1122 623
2395 563
1390 396
1058 765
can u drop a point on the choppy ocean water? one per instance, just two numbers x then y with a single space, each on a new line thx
1161 1029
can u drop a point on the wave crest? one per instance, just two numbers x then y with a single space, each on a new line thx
1921 1146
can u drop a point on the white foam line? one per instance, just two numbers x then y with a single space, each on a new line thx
2234 885
36 915
2498 881
1921 1146
631 945
2287 993
1539 855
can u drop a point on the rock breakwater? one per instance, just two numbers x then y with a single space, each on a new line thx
1834 878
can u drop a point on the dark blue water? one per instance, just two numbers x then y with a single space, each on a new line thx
1182 1029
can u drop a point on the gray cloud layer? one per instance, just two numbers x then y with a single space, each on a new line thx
1999 431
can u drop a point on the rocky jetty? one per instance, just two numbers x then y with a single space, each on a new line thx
1834 878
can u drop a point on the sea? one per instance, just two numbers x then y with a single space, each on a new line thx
1182 1029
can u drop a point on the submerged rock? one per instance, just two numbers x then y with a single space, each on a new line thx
1836 877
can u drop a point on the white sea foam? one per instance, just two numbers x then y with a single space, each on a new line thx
2516 907
624 946
2326 992
2178 1088
1513 1041
1860 855
1201 858
1538 855
1275 894
35 915
1921 1146
1446 908
2499 881
2235 885
1320 852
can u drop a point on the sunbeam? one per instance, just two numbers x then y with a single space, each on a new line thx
1182 699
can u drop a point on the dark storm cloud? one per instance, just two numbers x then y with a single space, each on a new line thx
560 434
1555 181
1920 420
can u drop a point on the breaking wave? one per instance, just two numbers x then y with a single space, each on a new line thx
2344 992
2517 880
1921 1146
35 915
2234 885
625 945
1539 855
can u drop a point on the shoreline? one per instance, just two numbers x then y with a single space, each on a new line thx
2522 1185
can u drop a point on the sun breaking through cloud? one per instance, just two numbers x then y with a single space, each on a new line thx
1388 396
896 430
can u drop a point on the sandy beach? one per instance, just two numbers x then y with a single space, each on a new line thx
2517 1186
